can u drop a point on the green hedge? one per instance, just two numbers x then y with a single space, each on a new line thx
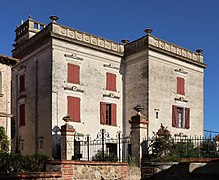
16 163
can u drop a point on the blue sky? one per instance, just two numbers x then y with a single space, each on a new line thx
192 24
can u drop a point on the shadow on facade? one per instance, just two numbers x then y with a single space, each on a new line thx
181 171
56 139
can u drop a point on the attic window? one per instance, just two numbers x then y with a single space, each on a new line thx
35 25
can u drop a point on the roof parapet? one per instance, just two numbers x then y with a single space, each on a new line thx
7 60
87 39
174 49
165 47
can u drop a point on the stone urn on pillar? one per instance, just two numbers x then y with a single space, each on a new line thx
67 140
138 134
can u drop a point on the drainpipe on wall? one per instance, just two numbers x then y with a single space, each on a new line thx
36 107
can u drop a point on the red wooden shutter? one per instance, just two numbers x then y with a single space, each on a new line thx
110 82
22 115
70 107
180 86
73 73
70 73
113 114
74 108
187 118
113 79
22 83
76 74
102 113
174 115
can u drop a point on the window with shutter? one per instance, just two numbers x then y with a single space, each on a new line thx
73 74
22 115
180 86
22 83
180 117
108 114
74 108
110 82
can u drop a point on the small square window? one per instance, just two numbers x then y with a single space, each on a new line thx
35 26
157 114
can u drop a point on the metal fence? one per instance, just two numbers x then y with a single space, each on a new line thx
182 147
102 148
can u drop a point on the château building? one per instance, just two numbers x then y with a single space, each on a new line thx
64 72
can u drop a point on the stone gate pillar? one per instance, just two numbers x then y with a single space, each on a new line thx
138 134
67 141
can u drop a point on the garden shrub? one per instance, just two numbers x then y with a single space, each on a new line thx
4 141
16 163
163 147
111 157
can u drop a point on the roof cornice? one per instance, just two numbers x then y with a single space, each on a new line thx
10 61
153 43
87 39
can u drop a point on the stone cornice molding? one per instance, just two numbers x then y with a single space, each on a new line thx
151 42
69 34
4 114
74 56
111 66
88 39
111 95
10 61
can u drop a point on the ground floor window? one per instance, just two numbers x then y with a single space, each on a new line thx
180 117
108 113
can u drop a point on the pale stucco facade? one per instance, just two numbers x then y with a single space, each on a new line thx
145 74
47 88
151 71
5 92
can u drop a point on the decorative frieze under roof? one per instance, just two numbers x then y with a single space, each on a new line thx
65 33
88 39
60 32
10 61
154 43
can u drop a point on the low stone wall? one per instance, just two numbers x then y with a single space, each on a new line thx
82 170
134 173
34 176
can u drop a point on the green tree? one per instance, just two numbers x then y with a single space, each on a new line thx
4 141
